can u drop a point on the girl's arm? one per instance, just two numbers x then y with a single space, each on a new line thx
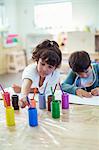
17 89
26 86
25 90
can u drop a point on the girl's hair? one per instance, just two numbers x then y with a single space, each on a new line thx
79 61
49 52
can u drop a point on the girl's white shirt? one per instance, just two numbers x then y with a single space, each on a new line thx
30 72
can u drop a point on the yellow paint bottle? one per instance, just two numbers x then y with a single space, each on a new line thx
10 118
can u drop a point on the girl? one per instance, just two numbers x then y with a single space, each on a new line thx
44 73
83 79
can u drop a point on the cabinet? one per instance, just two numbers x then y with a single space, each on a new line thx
77 41
97 42
3 57
3 63
10 49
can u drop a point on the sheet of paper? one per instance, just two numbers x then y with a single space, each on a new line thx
94 100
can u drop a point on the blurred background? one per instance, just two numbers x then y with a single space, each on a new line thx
74 24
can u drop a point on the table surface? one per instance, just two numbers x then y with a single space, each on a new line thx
77 129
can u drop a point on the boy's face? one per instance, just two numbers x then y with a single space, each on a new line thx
86 73
44 69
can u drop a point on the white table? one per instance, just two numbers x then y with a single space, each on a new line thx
77 129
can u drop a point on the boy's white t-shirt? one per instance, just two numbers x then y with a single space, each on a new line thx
30 72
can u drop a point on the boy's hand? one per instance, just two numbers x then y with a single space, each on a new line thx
95 91
83 93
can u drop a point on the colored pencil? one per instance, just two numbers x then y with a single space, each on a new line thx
2 88
61 87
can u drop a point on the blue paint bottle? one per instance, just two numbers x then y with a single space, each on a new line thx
33 117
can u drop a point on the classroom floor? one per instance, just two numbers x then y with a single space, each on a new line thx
6 80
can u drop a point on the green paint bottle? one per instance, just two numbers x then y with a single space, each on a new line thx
55 109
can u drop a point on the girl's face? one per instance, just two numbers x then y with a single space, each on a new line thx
86 73
44 69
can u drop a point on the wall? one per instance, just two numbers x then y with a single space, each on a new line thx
20 14
25 16
11 15
97 14
84 13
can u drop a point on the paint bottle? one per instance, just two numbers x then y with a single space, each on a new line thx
15 100
6 98
10 118
50 97
65 101
42 101
55 109
33 117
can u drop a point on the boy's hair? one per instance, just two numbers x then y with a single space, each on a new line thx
49 52
79 61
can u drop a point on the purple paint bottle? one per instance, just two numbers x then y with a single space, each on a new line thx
42 101
65 101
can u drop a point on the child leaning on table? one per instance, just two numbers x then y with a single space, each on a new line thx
43 73
83 79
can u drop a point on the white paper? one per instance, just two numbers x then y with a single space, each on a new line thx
94 100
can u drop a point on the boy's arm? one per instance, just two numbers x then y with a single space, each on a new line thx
68 84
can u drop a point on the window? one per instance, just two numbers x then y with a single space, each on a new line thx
56 15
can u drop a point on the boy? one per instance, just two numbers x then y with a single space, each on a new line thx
83 79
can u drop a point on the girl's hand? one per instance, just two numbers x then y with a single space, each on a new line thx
16 88
83 93
23 102
95 91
